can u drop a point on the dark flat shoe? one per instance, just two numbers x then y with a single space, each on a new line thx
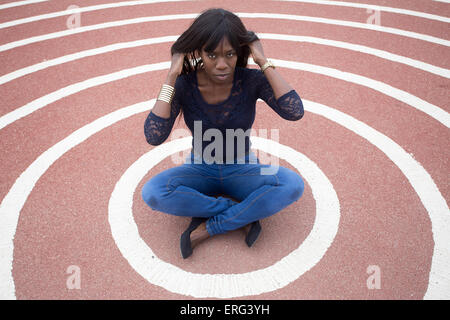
185 240
253 233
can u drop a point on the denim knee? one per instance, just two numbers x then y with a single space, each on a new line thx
150 194
298 186
292 183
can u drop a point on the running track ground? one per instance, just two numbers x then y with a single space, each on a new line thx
78 79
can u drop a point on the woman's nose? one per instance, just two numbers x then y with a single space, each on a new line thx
221 64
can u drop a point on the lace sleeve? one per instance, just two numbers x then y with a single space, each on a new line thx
289 106
156 128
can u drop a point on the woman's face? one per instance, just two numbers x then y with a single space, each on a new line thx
219 65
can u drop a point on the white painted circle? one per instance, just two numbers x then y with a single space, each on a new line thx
417 176
148 265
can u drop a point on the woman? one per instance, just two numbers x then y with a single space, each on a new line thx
209 83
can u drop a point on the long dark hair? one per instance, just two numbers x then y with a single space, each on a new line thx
207 31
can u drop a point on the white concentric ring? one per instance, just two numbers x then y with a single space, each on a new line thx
144 42
420 180
143 2
19 3
439 276
433 111
418 14
343 23
126 235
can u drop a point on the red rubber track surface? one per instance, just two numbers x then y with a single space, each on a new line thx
383 222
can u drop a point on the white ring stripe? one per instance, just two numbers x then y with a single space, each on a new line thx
141 2
86 53
375 7
437 113
63 33
19 3
434 111
289 268
351 24
77 87
360 48
14 201
424 186
132 44
418 177
54 35
447 278
80 10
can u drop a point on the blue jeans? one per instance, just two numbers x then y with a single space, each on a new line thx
192 190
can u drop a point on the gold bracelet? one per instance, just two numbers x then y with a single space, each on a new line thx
166 93
267 65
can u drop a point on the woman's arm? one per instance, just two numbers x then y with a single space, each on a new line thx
278 84
274 90
157 126
161 108
160 120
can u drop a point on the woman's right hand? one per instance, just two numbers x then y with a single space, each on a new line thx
176 66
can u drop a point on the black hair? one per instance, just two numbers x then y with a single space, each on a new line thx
206 32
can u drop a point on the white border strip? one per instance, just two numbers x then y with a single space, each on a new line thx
132 44
372 27
375 7
434 111
19 3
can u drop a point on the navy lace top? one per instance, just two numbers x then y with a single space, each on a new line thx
236 112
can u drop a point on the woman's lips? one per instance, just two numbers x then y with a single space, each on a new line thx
222 76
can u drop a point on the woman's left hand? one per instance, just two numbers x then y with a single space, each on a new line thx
257 52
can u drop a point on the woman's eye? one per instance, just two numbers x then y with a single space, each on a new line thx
213 56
